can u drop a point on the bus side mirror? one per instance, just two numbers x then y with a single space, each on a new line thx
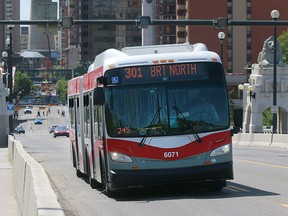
98 96
238 119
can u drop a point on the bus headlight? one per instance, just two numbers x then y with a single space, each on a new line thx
220 151
120 158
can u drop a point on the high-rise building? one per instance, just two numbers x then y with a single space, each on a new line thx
10 10
93 39
242 44
41 37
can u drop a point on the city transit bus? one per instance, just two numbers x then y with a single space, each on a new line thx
151 115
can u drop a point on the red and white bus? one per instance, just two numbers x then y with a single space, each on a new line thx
135 118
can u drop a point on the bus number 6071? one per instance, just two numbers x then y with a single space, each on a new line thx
171 154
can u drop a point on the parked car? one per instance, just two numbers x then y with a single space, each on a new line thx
61 131
52 128
38 121
27 110
19 130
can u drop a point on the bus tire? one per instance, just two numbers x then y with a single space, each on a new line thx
79 174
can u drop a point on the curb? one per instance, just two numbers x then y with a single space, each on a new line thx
34 192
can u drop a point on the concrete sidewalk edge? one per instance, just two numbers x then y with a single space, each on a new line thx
34 192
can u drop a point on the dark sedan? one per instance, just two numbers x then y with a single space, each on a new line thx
19 130
61 131
27 110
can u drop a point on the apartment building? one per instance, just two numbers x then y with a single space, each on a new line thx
242 44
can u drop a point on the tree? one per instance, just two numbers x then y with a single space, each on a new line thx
267 117
61 89
283 40
22 84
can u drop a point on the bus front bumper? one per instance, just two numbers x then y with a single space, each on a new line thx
124 178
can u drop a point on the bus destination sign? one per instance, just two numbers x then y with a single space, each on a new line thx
158 73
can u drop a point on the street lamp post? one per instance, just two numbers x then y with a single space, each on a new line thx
10 74
221 37
275 15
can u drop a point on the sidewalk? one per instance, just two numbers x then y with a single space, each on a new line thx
8 202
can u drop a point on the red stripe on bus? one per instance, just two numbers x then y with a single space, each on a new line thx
131 148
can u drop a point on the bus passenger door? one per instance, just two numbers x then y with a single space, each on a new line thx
98 141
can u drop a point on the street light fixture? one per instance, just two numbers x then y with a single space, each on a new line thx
251 93
240 92
221 37
275 15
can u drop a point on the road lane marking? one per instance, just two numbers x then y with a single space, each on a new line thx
264 164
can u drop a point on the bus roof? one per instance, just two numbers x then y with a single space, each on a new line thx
142 55
166 48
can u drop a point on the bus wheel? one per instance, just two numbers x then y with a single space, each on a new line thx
216 186
94 184
109 193
79 174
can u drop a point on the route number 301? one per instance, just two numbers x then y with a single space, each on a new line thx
172 154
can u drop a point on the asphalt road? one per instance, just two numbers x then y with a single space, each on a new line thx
259 188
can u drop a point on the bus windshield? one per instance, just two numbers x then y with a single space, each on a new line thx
166 108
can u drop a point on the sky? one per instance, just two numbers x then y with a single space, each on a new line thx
25 6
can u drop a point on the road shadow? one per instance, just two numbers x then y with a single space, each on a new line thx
187 191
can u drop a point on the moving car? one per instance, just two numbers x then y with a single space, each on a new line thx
52 128
61 131
19 130
38 121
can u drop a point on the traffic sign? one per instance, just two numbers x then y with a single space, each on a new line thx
10 108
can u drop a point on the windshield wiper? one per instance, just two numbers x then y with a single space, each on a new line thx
151 125
178 112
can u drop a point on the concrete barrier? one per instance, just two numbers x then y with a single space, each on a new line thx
34 192
262 140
